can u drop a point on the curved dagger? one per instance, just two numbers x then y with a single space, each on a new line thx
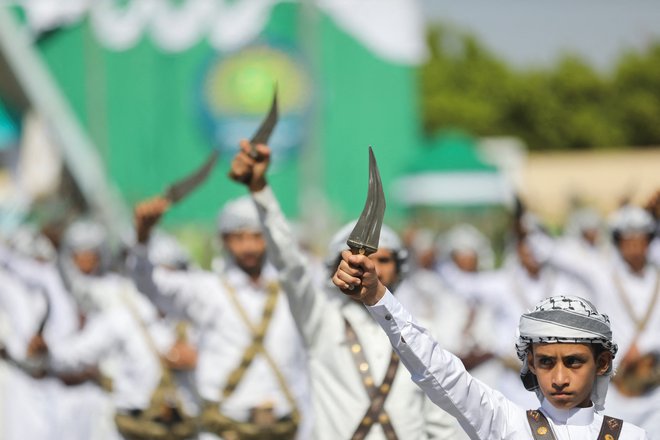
181 188
262 135
366 233
266 128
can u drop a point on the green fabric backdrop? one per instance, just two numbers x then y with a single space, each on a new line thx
139 107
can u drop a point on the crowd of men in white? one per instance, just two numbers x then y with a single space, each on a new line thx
146 345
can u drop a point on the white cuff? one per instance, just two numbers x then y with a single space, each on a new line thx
391 316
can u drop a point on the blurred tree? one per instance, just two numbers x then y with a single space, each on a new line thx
463 85
568 106
637 89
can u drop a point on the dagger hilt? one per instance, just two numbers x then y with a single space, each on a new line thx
253 151
358 251
254 154
360 248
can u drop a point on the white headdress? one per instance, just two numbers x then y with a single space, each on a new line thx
583 219
565 319
239 215
631 220
465 237
165 250
28 241
87 235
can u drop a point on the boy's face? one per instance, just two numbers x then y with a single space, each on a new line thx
567 373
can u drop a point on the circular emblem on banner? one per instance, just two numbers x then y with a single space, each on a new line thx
237 91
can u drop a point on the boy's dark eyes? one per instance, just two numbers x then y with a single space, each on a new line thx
570 361
546 361
573 361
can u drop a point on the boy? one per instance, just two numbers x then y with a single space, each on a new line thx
566 348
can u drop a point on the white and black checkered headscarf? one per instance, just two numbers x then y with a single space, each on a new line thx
565 319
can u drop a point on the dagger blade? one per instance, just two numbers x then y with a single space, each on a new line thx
366 233
181 188
266 128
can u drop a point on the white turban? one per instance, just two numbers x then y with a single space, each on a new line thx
531 223
165 250
27 241
631 220
423 240
569 320
465 237
239 215
85 235
584 219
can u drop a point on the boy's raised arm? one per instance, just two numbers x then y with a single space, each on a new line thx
482 412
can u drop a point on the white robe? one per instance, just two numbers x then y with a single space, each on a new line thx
75 412
339 397
202 298
114 338
23 399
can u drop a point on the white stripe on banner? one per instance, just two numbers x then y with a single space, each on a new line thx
392 29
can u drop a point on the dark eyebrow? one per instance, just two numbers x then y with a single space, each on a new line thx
575 355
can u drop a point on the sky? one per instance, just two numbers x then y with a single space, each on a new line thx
536 32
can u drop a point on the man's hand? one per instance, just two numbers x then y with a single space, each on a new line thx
91 374
147 214
37 346
475 358
182 356
356 277
632 356
249 171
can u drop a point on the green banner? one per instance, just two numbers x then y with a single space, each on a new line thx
144 110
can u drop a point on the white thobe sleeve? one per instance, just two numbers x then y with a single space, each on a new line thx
306 300
481 411
21 312
86 348
654 251
179 294
437 424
